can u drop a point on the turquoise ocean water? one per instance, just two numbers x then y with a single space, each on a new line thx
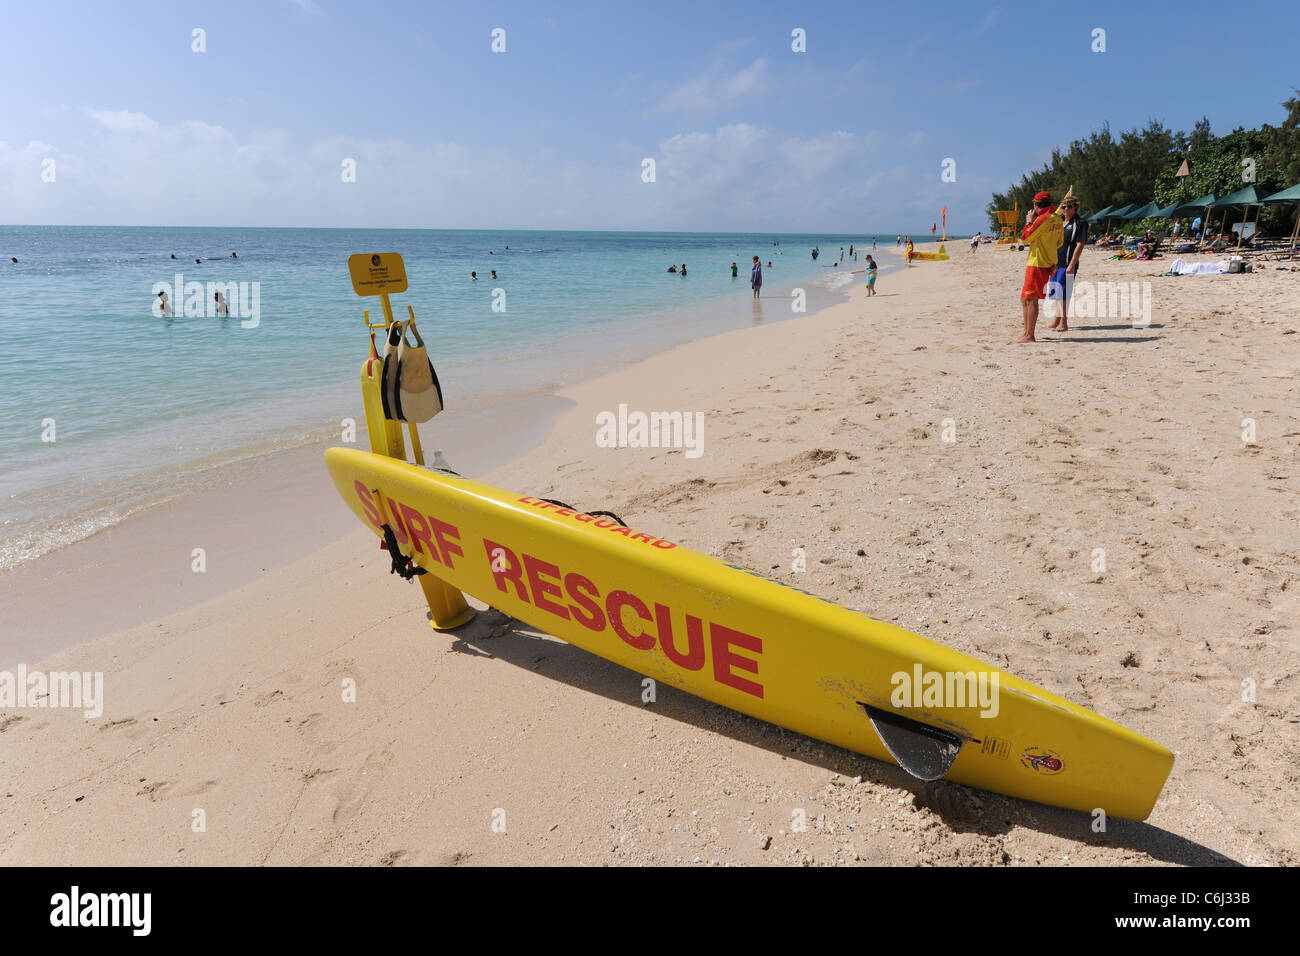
139 407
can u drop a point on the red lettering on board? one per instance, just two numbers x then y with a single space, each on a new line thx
693 659
723 639
368 503
441 531
586 595
399 529
614 605
543 590
419 530
512 572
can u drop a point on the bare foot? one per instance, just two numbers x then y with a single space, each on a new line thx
1024 338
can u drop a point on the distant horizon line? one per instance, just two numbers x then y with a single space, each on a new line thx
664 232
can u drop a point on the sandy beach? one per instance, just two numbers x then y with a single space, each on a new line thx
825 432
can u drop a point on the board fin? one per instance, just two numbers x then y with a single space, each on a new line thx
923 751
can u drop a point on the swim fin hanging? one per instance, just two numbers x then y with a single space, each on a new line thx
388 380
411 391
419 394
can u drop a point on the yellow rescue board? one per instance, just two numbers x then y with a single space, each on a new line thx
751 644
939 256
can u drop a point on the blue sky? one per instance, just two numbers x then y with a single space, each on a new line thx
747 134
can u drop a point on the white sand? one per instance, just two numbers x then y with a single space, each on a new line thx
824 432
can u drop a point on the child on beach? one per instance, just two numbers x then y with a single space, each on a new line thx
871 276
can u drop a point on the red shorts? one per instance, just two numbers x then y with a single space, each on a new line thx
1036 278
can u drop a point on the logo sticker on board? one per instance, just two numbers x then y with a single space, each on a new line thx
995 747
1042 761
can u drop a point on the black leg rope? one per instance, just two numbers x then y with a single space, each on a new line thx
594 514
405 567
401 563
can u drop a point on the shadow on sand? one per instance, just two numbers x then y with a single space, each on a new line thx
963 809
1108 338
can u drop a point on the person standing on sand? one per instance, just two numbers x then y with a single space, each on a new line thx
871 276
1074 236
1043 234
756 277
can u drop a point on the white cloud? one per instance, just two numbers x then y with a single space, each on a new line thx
716 89
988 21
123 121
735 177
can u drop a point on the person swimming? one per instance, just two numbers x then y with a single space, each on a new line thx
474 276
672 269
734 270
494 273
173 255
164 307
683 272
233 256
220 299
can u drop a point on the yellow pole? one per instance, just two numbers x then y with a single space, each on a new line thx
447 606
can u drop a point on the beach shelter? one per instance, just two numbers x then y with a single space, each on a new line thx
1287 195
1117 212
1248 197
1199 206
1099 214
1143 212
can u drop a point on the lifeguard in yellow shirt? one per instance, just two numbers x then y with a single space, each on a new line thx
1044 233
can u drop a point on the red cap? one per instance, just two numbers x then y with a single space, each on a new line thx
1043 196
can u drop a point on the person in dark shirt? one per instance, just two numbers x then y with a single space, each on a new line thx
756 277
1067 261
